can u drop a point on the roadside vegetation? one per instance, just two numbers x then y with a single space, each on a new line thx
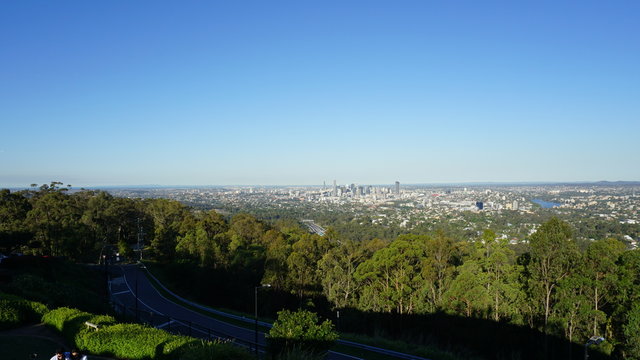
437 288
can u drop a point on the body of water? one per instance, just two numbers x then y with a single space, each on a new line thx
545 204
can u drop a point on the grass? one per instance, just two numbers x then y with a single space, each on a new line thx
21 347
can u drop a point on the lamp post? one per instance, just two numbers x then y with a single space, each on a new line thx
593 340
255 303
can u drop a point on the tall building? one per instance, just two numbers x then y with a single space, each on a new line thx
397 192
335 189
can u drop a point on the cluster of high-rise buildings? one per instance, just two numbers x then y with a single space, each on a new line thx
354 190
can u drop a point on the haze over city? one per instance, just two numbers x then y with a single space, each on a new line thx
218 93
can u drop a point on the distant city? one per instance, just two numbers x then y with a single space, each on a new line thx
408 206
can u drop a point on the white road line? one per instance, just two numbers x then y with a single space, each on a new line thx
347 355
163 325
142 302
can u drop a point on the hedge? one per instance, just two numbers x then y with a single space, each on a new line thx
15 311
133 341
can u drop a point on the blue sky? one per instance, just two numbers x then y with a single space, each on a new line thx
273 92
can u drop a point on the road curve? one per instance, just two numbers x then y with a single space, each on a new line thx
126 279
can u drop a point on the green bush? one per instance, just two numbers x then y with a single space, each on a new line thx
300 331
10 315
207 350
71 323
130 341
134 341
15 311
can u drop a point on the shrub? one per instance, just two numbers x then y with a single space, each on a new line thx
134 341
129 341
15 311
10 315
300 331
71 323
207 350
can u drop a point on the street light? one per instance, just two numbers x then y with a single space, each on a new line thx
255 303
593 340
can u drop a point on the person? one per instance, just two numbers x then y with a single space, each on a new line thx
76 355
60 355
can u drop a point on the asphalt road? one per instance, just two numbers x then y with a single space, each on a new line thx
153 308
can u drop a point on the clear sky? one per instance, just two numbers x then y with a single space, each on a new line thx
300 92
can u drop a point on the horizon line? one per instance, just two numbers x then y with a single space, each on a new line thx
452 183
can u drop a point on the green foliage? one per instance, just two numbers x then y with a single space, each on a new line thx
15 311
392 277
207 350
301 330
10 315
299 353
631 329
553 254
133 341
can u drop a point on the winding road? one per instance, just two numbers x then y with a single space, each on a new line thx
155 309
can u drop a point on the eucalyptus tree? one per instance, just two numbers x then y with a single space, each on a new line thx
600 269
302 264
338 268
14 208
553 254
168 216
392 278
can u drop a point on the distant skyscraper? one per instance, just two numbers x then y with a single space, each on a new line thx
479 205
515 205
335 188
397 187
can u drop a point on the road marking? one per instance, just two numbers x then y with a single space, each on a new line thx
141 302
346 355
165 324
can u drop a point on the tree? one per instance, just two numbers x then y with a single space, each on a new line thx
631 330
275 266
502 275
571 308
13 213
55 219
301 329
437 266
468 291
600 268
338 267
168 216
552 257
392 277
302 263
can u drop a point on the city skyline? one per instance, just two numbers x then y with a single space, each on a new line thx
208 94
